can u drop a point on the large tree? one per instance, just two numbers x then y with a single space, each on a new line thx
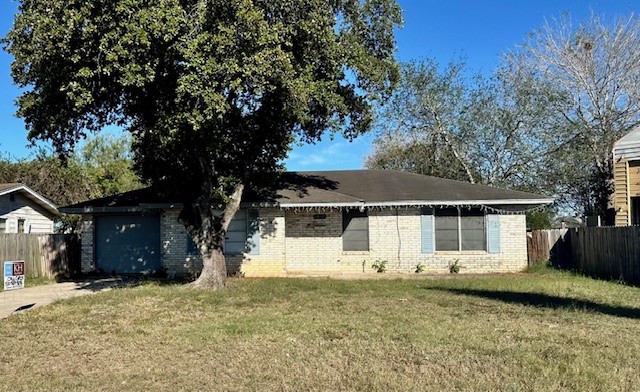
594 64
101 167
212 91
419 126
108 160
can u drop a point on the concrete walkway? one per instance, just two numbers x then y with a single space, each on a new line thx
16 301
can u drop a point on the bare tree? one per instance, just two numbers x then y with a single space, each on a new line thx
419 126
596 67
439 122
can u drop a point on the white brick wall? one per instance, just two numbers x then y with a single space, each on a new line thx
270 261
291 244
394 236
175 256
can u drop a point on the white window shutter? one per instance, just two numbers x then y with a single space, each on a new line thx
426 233
493 233
253 232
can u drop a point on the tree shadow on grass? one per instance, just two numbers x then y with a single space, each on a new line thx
101 283
548 301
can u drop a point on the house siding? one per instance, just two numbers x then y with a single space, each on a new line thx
36 220
294 243
626 179
626 176
621 192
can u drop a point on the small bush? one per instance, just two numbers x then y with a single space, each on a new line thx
419 268
380 266
455 267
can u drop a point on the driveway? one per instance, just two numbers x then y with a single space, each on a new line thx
16 301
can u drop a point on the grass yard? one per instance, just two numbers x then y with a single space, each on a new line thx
539 331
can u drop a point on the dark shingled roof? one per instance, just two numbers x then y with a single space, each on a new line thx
10 185
381 186
350 187
7 188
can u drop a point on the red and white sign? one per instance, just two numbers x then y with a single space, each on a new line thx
13 275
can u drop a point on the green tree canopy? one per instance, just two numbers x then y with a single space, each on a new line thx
212 91
102 167
109 161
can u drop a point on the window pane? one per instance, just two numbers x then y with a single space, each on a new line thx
471 212
3 225
239 222
446 230
355 235
453 211
473 233
235 236
357 223
234 247
426 211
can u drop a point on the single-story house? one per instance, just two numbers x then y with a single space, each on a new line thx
23 210
322 223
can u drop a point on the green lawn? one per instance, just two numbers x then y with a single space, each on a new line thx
528 332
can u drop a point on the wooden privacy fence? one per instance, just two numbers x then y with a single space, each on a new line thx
607 252
46 255
549 245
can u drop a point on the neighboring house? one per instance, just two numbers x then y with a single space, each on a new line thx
22 210
626 179
322 223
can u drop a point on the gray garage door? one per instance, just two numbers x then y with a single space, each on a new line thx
128 243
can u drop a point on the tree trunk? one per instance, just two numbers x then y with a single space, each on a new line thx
214 268
208 229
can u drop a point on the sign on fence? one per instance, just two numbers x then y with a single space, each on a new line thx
13 275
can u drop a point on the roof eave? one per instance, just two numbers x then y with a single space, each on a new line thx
138 208
402 203
48 205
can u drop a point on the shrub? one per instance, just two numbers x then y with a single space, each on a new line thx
380 266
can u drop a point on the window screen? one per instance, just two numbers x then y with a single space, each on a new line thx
446 226
3 225
472 229
355 230
20 225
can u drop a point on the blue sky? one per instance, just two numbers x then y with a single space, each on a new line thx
444 29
